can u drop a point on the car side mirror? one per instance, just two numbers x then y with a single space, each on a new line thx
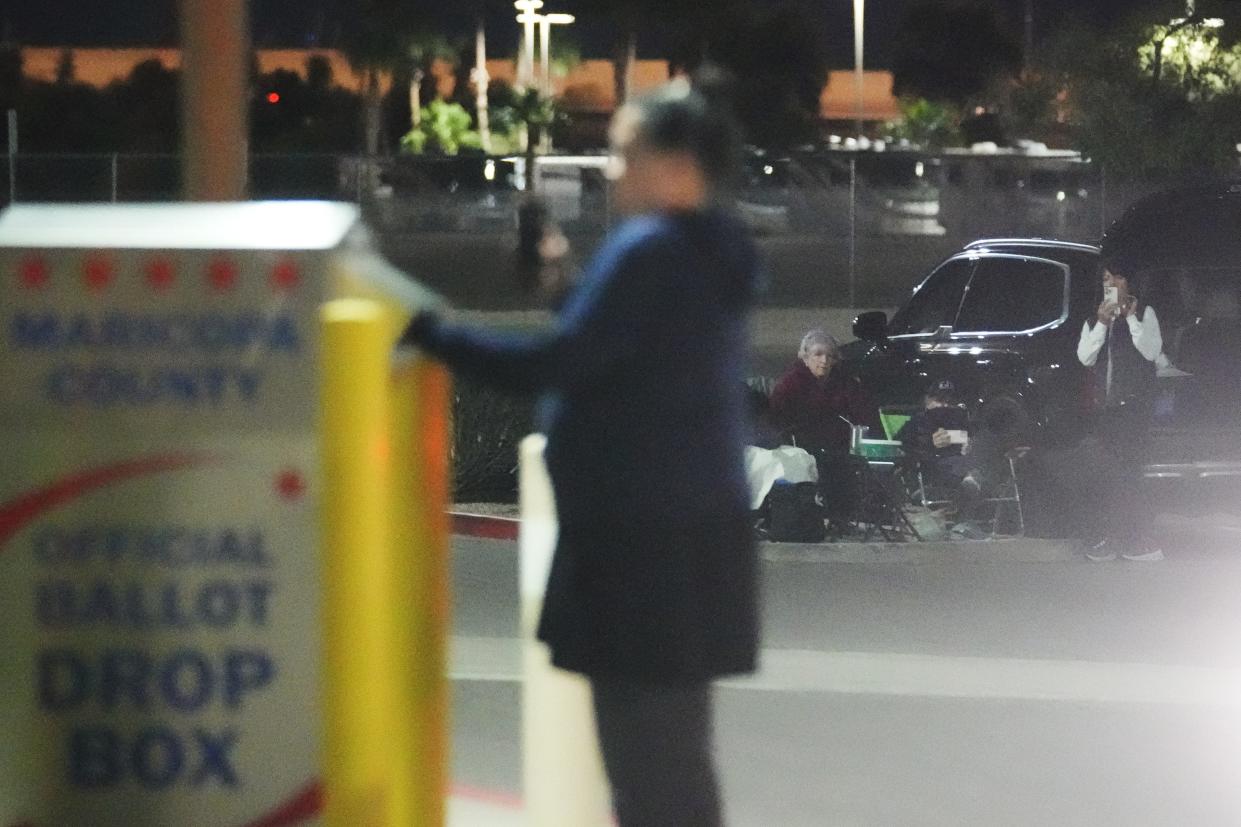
871 326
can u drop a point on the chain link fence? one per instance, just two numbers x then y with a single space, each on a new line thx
839 228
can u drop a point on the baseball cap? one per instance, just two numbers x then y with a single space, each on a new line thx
943 390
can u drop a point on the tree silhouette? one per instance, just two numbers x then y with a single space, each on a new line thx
949 53
778 65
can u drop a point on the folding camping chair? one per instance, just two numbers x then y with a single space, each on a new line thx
1005 497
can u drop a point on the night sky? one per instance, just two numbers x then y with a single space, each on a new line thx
317 22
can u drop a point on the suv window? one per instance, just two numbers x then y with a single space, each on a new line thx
936 301
1009 294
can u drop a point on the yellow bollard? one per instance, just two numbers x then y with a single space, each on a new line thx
385 609
418 589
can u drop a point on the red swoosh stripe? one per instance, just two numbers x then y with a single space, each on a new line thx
305 803
17 513
484 525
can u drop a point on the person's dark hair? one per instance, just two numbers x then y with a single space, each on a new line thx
943 390
1132 276
694 115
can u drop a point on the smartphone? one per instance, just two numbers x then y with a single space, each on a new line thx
1111 294
956 437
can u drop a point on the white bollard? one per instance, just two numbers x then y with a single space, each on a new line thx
563 772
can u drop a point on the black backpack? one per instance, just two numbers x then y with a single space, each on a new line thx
795 514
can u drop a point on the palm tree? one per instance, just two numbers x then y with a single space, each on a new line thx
424 50
536 114
628 17
481 81
374 46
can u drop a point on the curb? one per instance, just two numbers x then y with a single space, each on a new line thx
1006 550
487 526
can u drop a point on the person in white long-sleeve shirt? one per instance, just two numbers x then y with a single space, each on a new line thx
1119 346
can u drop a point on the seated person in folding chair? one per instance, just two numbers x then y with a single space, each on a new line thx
814 403
952 453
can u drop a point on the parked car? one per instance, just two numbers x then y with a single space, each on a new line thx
1019 193
462 193
1001 318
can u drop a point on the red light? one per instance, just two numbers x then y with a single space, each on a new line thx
273 97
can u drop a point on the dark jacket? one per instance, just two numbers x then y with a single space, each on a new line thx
809 410
916 434
1133 375
654 575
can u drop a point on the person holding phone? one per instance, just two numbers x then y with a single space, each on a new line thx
937 438
1119 345
653 590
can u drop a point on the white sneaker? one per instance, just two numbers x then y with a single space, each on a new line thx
1101 552
1145 554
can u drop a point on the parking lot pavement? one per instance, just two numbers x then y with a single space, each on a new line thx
941 691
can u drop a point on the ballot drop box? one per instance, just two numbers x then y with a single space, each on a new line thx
163 488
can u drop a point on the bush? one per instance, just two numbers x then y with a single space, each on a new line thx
445 128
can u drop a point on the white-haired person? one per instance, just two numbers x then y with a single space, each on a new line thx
814 404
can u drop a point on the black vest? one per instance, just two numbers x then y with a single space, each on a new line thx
1133 375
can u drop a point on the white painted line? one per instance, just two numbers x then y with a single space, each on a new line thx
874 673
926 676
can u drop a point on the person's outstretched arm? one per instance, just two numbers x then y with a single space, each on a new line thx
620 299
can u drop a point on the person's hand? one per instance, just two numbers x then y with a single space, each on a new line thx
420 327
1107 312
941 439
555 264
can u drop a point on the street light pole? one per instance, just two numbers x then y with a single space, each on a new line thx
481 82
528 17
546 21
1029 33
859 27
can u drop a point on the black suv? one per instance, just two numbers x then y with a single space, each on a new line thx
1001 318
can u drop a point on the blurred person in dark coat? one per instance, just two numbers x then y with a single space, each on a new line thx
652 592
